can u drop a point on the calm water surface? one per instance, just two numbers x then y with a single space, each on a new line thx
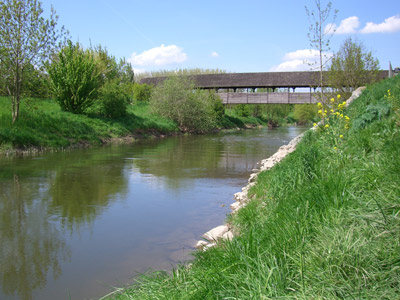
75 224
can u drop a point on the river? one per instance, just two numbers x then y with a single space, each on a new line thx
75 224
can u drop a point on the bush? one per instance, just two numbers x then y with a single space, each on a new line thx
242 110
113 100
218 106
142 92
74 78
304 113
176 99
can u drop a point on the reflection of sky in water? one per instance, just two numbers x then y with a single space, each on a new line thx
83 221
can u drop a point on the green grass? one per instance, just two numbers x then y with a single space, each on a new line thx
323 224
42 124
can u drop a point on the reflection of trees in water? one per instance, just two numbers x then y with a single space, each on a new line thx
68 188
195 157
31 245
80 194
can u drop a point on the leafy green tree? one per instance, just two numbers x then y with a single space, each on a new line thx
110 69
352 66
75 78
142 92
305 113
113 99
26 39
177 99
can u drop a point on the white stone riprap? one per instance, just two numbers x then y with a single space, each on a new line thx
241 198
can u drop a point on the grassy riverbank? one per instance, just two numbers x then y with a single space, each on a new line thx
43 125
323 224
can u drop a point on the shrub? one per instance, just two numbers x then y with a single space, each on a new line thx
218 106
176 99
74 78
304 113
242 110
142 92
113 100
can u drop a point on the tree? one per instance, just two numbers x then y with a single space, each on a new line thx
177 99
26 38
319 35
352 66
75 78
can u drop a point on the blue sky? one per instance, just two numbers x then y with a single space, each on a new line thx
236 36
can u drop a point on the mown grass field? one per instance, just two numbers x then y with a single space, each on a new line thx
322 224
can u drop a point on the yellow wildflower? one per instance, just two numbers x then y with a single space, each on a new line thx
335 148
332 111
319 105
327 126
320 111
332 100
315 124
341 136
338 96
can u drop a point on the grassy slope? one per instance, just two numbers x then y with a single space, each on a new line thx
323 224
43 125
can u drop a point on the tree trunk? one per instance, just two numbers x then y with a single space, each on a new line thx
15 108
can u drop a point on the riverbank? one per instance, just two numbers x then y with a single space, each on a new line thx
321 224
44 127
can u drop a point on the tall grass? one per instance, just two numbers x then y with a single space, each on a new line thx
323 224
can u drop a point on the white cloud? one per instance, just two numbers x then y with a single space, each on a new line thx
351 25
214 54
391 24
347 26
159 56
301 54
299 60
138 71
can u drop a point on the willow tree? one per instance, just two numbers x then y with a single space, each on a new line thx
26 39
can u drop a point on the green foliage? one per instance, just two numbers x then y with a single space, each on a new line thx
277 114
26 39
218 107
304 113
113 100
351 67
110 69
142 92
372 113
177 100
242 110
75 78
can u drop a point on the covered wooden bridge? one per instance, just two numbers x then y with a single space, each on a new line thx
244 88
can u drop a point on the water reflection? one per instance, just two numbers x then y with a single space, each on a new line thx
40 199
70 220
31 244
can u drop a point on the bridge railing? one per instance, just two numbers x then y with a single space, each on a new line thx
268 98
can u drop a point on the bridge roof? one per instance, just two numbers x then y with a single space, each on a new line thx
253 80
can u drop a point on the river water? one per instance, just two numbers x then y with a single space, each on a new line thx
75 224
